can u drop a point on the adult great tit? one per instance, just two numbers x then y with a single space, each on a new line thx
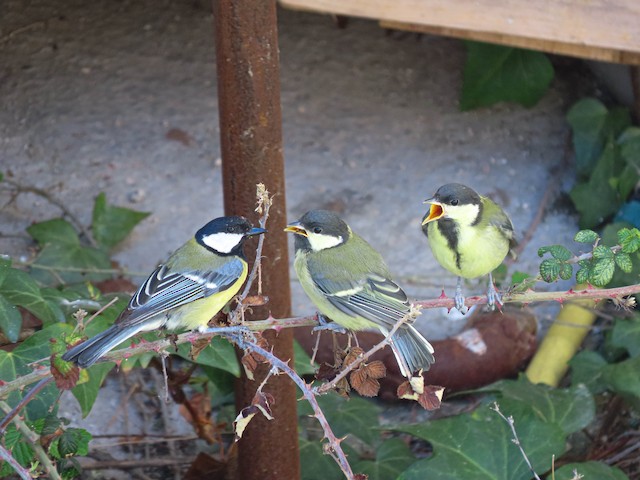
469 235
349 283
195 283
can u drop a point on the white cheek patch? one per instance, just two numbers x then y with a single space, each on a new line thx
319 241
222 242
464 214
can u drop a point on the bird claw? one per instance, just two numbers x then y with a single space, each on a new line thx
240 330
459 298
493 296
326 325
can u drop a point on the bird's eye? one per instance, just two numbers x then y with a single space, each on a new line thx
454 202
317 230
229 229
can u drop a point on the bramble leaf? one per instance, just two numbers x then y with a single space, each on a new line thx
586 236
629 239
550 270
602 271
623 260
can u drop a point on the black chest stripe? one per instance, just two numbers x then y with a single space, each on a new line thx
449 230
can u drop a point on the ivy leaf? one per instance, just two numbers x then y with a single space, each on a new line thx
56 231
550 270
219 354
112 224
314 464
623 260
10 320
20 289
458 453
494 73
586 236
626 334
586 368
590 471
624 377
596 199
629 239
392 457
593 125
354 417
572 408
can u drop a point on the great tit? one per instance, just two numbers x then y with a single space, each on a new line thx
194 284
349 283
469 235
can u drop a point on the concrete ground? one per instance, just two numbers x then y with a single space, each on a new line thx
90 91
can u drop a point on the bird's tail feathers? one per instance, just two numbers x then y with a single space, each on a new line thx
412 351
88 352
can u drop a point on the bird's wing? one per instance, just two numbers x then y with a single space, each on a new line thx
503 223
375 298
165 290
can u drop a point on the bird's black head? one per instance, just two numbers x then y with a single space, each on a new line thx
455 194
225 235
318 230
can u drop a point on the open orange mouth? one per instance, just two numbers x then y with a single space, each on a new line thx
293 228
435 212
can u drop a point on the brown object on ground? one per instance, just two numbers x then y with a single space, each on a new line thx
491 346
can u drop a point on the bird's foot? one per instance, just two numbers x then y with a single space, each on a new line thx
230 330
459 298
493 296
326 325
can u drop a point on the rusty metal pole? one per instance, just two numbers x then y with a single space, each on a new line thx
248 74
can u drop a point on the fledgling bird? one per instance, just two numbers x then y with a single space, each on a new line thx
470 235
194 284
349 283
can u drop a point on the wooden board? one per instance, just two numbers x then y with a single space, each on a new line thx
607 30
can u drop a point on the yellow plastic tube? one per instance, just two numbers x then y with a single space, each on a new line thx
562 341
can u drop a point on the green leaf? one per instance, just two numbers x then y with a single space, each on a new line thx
566 271
20 289
590 471
495 73
219 354
597 199
623 260
10 320
550 270
315 465
112 224
602 272
56 231
629 239
392 457
354 417
558 252
572 409
624 377
602 251
586 236
74 441
459 454
59 263
626 334
302 361
87 392
587 368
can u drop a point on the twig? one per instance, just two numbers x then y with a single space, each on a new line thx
515 439
334 450
620 455
278 324
362 358
26 399
33 440
6 456
51 199
129 464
